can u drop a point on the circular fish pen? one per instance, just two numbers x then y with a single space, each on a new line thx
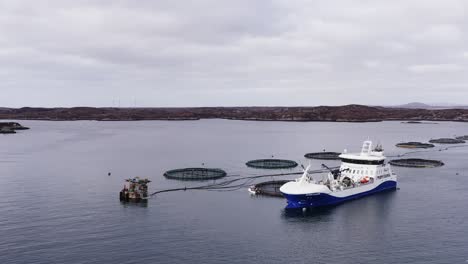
269 188
447 141
323 155
465 137
416 163
271 164
190 174
415 145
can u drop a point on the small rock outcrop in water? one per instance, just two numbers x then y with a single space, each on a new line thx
10 127
418 122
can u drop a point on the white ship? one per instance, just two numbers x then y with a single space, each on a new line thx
360 174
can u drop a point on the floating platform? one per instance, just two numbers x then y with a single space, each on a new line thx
323 155
189 174
135 190
271 164
416 163
447 141
269 188
415 145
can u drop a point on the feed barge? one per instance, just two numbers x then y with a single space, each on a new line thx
135 190
360 174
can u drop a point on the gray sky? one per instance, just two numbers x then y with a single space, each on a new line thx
232 53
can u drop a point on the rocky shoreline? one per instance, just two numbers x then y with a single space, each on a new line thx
347 113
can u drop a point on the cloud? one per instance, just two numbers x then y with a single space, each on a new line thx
434 68
164 53
440 34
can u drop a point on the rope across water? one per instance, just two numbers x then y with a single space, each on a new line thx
245 181
227 185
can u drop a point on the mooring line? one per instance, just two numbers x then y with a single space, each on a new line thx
226 184
425 151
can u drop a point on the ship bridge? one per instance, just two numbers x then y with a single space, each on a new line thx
367 156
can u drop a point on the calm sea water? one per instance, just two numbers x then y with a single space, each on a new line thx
59 205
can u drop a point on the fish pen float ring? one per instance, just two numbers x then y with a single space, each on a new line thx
195 174
271 164
416 163
447 141
415 145
269 188
323 155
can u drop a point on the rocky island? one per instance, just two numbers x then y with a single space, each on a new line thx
346 113
11 127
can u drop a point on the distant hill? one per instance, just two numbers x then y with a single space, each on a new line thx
346 113
418 105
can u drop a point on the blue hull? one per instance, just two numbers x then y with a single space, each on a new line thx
318 200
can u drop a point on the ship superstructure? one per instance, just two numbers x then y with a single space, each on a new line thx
360 174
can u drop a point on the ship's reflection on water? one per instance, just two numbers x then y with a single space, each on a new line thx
134 204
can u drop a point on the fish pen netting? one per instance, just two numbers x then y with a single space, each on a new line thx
416 163
272 164
414 145
270 188
195 174
323 155
447 141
